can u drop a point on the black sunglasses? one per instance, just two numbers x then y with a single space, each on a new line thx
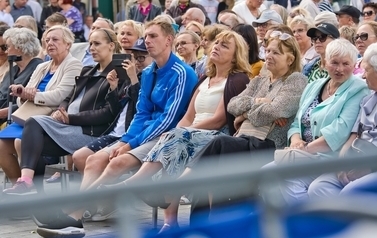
368 13
322 38
362 36
4 47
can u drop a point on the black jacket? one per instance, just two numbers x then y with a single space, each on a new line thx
99 106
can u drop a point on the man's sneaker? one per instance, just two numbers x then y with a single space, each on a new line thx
62 226
104 213
20 188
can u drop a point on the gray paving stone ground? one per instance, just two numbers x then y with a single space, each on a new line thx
141 213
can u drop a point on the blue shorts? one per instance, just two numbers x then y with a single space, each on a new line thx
102 142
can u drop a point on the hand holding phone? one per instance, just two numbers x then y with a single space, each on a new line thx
119 58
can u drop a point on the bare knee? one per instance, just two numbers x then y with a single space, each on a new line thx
97 162
80 156
123 163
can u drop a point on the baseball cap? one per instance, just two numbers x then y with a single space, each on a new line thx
325 28
266 16
139 45
349 10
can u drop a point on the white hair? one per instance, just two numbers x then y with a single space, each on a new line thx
341 48
23 39
370 56
307 22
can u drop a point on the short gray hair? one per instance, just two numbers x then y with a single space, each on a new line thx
370 56
68 36
342 48
23 39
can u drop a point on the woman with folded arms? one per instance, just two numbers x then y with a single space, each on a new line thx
326 115
49 85
365 129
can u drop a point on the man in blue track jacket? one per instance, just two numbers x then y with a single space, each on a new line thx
164 96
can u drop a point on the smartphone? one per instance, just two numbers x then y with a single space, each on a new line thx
119 58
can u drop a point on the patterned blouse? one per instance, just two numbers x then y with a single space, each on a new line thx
75 15
317 72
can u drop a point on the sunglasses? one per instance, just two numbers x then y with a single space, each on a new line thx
362 36
4 47
368 13
322 38
280 35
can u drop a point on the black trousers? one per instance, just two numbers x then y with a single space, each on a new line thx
224 145
35 144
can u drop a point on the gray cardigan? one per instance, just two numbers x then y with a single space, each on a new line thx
136 15
285 96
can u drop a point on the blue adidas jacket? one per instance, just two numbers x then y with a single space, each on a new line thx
161 108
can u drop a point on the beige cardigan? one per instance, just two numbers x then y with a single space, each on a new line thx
60 85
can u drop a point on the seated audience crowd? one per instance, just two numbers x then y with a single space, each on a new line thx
195 83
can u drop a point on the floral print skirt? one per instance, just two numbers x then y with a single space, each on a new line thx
178 147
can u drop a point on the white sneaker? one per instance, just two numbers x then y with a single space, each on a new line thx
104 213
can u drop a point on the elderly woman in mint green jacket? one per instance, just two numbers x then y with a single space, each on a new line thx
328 110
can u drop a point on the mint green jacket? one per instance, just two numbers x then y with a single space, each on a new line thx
333 118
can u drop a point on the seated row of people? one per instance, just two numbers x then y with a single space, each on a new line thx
213 115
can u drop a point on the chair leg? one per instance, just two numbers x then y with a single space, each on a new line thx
154 216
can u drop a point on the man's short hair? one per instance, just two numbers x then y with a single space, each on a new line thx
166 27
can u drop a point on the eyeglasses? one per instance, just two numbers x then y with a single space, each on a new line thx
322 38
280 35
4 47
182 43
140 58
263 25
368 13
298 31
362 36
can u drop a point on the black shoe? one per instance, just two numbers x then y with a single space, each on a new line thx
62 226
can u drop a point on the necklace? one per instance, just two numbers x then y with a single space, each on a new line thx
328 89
